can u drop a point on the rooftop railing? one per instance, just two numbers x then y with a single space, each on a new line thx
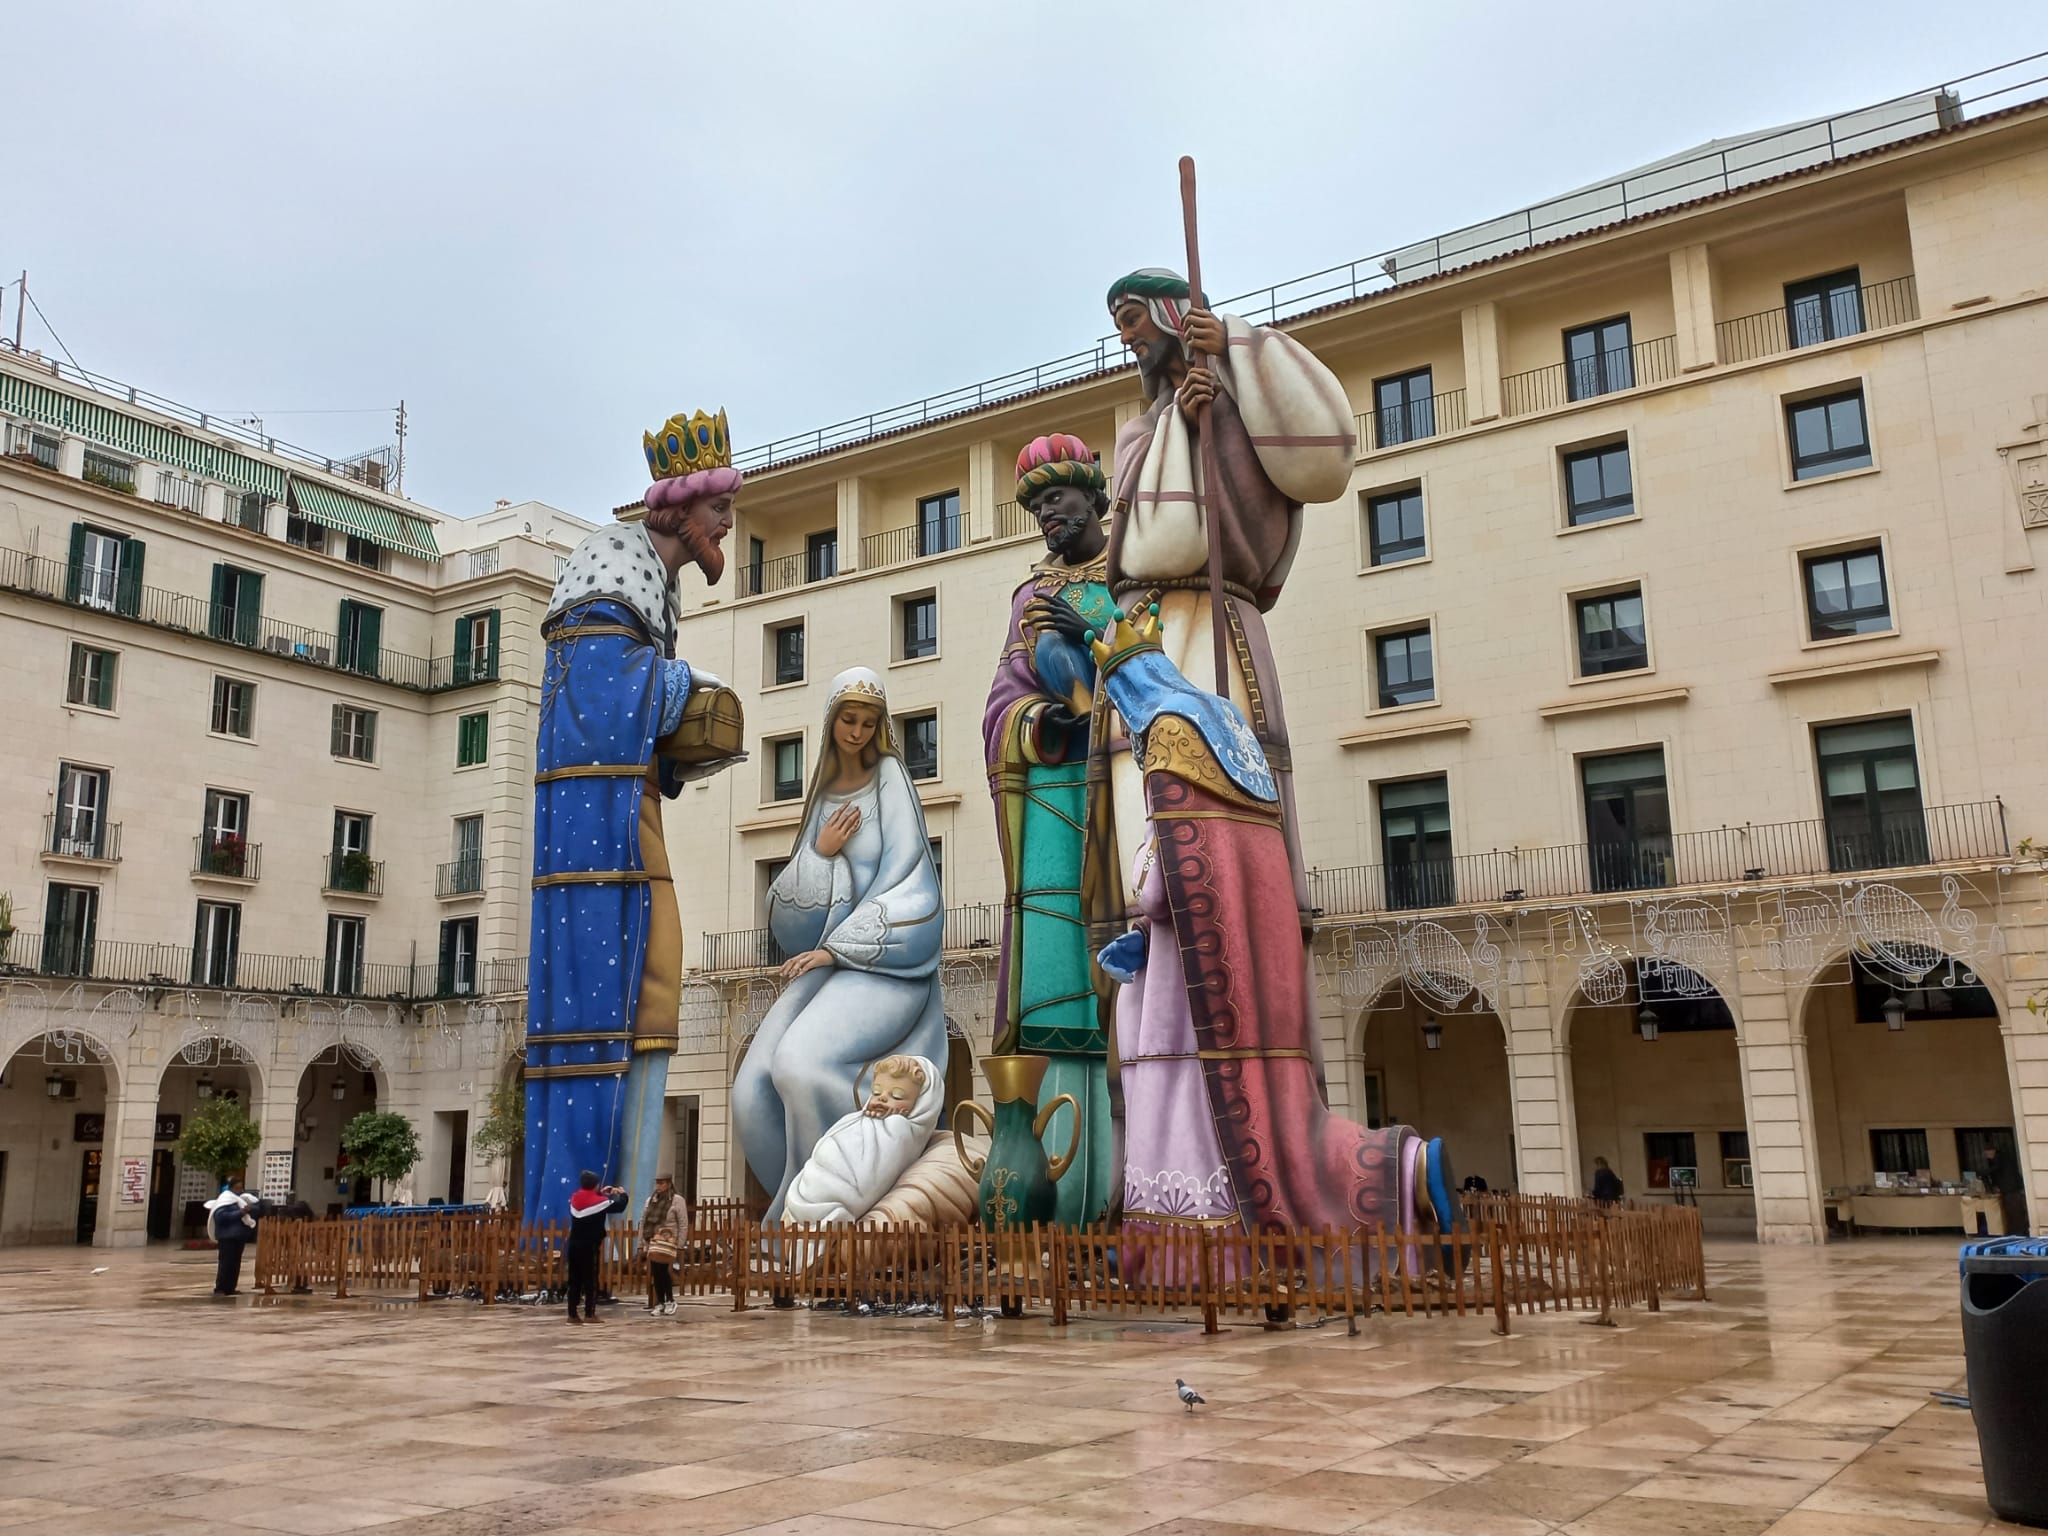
1723 167
1933 835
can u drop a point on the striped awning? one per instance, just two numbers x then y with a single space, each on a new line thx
343 513
114 429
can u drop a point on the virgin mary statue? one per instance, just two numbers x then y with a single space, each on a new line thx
858 910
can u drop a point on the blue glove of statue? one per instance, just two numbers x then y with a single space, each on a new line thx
1123 957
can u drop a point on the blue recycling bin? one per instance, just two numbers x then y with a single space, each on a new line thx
2005 1350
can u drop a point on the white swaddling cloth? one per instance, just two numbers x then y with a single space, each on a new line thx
862 1157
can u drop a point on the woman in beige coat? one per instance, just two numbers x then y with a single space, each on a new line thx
662 1225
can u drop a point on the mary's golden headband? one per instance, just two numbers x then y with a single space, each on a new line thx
684 447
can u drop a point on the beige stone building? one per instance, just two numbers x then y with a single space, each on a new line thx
1661 690
269 755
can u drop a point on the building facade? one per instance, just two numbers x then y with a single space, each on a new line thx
1659 690
270 750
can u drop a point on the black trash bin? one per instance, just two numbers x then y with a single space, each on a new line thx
2005 1349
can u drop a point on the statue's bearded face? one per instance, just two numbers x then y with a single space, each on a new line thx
1152 347
1070 521
702 534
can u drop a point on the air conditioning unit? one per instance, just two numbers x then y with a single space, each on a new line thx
282 644
322 656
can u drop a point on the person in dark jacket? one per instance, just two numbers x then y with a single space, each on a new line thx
2004 1180
231 1223
1606 1183
588 1209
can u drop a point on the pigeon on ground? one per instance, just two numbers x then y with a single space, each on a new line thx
1187 1394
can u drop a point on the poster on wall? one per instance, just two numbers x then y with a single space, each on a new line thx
134 1180
277 1177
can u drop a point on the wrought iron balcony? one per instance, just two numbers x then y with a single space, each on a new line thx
1933 835
108 472
352 874
91 840
777 575
177 492
460 877
1605 373
1013 521
216 856
978 926
919 541
1875 307
33 446
82 956
1413 422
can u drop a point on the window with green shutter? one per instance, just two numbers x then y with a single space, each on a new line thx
236 612
357 635
91 681
354 733
476 647
472 739
104 571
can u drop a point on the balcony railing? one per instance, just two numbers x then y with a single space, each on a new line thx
1587 378
1878 306
226 858
1014 521
1393 425
181 613
108 472
352 874
39 448
1934 835
94 839
460 877
776 575
176 491
977 926
900 546
178 965
248 510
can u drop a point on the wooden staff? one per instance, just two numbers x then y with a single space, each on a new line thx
1219 619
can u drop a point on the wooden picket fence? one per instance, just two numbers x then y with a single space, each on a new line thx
1518 1254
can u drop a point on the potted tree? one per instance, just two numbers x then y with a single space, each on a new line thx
221 1138
503 1130
381 1144
353 871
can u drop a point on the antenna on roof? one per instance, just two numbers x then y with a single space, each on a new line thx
398 479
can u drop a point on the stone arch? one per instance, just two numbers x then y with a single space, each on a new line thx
1939 1087
319 1116
61 1184
1460 1088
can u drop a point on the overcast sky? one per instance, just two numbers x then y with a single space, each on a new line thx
547 226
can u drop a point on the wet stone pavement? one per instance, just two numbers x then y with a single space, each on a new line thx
1795 1403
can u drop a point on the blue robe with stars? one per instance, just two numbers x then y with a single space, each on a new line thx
607 693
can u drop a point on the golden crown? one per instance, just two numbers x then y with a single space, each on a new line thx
1128 635
684 447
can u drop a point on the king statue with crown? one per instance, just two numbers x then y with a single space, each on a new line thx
624 724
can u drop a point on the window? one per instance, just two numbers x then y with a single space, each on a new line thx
349 865
1845 594
1628 820
468 872
344 976
937 845
920 626
351 832
1664 1151
224 834
1898 1152
476 647
234 708
355 733
1829 435
360 551
70 916
472 739
821 555
1393 525
356 636
938 523
1415 843
757 557
237 607
1612 635
1824 308
105 570
1403 408
1597 485
1406 667
91 678
920 735
788 645
786 764
458 957
1598 360
81 821
305 534
1735 1173
1870 794
216 943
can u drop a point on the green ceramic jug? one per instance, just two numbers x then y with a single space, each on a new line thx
1016 1177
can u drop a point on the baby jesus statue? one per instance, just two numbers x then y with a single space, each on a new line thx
864 1154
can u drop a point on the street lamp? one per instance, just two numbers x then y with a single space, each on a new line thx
53 1085
1432 1034
205 1087
339 1091
1895 1013
1646 1022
